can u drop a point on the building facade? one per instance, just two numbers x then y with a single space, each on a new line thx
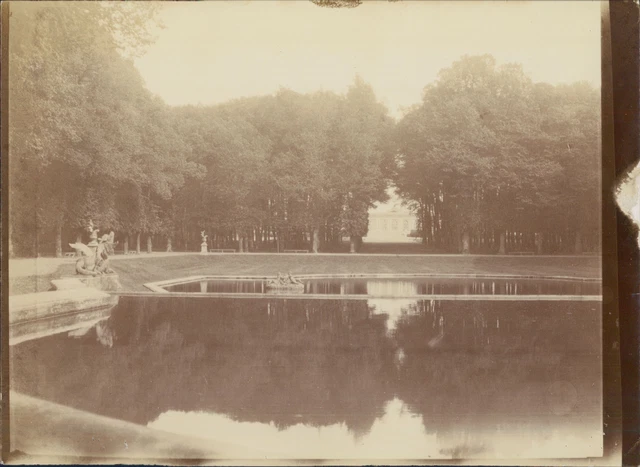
390 222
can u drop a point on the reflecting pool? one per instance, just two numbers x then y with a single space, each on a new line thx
401 287
314 378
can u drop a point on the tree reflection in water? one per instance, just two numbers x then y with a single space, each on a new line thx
394 288
460 366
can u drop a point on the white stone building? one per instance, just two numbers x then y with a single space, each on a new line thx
390 222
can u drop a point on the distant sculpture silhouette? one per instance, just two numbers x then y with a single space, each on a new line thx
203 245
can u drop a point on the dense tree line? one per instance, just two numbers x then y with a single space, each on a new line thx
286 171
490 158
490 161
90 142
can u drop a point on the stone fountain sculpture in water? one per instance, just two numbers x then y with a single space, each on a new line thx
287 282
95 256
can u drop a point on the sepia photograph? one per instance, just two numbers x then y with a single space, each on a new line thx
269 232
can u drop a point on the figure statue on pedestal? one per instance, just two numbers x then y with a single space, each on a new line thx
203 245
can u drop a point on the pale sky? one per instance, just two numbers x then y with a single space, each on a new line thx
211 52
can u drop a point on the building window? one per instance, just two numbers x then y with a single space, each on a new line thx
384 224
405 224
394 224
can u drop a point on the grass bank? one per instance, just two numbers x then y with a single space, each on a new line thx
134 271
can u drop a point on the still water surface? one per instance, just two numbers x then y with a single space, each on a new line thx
402 287
371 378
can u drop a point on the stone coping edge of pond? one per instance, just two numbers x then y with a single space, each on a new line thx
42 305
35 314
301 296
158 286
32 330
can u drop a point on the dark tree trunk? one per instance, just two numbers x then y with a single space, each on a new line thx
503 248
322 233
423 223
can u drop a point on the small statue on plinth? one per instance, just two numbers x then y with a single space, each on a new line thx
203 245
95 255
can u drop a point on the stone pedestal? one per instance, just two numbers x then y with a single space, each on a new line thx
203 248
105 282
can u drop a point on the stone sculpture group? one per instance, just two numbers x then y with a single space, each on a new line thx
95 255
285 282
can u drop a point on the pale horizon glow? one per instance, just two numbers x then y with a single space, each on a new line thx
212 52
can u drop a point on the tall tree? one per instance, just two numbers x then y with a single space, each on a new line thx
360 154
84 127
